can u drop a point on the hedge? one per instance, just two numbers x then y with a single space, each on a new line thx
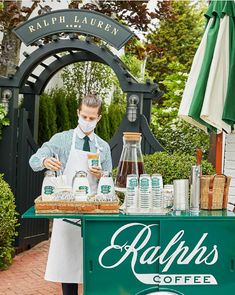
8 223
173 166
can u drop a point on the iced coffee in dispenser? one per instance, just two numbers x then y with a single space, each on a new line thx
131 161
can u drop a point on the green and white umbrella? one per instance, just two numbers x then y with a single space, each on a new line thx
208 100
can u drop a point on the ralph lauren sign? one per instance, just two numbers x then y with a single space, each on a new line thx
74 20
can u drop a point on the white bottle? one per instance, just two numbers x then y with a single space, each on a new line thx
105 189
48 185
81 186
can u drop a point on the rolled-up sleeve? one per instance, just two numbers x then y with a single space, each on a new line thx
107 159
48 149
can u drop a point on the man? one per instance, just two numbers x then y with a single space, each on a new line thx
67 151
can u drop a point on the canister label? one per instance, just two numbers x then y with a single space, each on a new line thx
83 188
49 190
105 189
94 162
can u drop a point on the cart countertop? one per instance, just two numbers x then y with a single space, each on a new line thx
203 214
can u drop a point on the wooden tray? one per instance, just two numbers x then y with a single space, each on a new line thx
91 207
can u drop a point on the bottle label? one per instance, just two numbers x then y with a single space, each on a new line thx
94 162
144 183
156 182
49 190
105 189
83 188
133 182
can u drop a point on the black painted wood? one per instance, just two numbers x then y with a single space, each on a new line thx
19 139
28 187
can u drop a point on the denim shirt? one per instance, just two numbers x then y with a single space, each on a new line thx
60 144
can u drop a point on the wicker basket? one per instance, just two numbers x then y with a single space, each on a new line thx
214 191
93 207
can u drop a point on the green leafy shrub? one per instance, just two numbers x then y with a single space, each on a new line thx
175 166
178 135
3 120
8 223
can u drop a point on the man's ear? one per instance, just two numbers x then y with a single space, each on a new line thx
99 118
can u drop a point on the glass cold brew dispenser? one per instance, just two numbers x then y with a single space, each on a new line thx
131 161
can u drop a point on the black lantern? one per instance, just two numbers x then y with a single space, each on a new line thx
5 98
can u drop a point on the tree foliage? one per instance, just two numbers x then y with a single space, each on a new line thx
103 127
47 118
12 13
131 12
176 38
57 112
173 133
72 106
86 77
62 114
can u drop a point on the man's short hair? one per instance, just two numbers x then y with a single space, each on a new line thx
93 101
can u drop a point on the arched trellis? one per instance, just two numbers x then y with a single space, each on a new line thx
85 50
19 139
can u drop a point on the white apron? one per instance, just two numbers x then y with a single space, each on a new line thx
65 258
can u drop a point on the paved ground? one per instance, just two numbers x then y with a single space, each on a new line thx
26 275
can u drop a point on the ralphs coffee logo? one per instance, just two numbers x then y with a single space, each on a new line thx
138 251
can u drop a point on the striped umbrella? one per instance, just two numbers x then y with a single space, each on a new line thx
208 100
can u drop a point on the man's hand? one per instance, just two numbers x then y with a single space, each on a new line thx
96 171
52 164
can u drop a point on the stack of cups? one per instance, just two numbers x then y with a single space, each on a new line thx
145 193
157 192
181 194
168 191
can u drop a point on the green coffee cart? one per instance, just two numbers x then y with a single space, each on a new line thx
167 254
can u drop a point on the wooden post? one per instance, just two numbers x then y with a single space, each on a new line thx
218 153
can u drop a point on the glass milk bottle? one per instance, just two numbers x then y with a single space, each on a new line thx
105 189
48 185
131 161
81 186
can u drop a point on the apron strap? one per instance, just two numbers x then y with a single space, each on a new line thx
74 139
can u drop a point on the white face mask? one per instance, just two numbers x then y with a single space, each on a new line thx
86 126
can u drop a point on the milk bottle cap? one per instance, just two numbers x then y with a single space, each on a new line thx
49 173
80 174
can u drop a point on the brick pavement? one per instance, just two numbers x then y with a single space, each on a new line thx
26 275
